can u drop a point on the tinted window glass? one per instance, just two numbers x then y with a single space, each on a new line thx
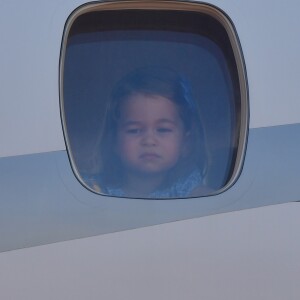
151 103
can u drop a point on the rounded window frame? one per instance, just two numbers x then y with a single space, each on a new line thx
204 8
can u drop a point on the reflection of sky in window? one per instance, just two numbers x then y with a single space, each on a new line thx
96 61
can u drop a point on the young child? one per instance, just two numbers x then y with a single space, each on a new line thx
152 144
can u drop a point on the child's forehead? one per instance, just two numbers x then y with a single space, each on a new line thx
150 101
145 98
149 106
147 95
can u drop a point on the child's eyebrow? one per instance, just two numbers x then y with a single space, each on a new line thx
129 123
167 121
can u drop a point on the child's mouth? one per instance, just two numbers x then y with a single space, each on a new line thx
149 156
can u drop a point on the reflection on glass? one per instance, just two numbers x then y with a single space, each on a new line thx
160 77
153 142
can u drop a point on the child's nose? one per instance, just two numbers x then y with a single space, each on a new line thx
149 138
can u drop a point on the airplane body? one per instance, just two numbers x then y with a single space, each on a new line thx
60 240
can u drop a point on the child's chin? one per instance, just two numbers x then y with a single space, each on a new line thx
151 172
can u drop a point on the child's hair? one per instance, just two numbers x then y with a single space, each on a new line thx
153 81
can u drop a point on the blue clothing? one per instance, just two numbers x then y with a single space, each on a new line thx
180 188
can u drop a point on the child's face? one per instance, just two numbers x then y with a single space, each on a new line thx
150 136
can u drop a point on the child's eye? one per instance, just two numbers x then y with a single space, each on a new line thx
133 131
164 130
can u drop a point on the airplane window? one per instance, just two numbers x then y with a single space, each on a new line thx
153 100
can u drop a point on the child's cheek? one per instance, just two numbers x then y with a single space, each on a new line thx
126 144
